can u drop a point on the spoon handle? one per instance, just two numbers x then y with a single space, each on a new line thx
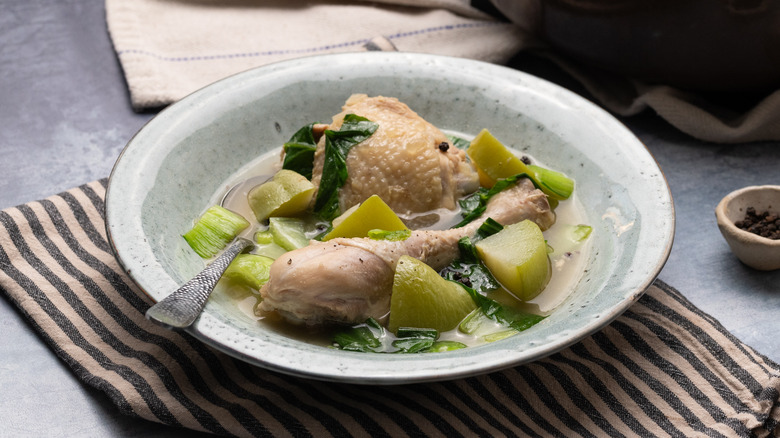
181 308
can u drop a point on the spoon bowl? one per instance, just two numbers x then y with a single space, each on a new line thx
181 308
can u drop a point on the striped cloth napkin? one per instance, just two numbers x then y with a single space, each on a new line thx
662 368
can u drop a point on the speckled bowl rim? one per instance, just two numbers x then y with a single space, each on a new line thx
635 266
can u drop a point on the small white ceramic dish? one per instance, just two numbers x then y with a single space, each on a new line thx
753 250
171 169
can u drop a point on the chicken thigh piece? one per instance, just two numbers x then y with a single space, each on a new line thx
349 280
402 161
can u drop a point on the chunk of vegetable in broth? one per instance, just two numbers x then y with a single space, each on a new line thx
287 194
212 232
574 236
422 298
494 161
578 233
371 214
442 346
289 233
517 258
265 245
249 270
554 184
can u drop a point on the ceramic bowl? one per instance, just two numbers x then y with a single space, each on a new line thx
753 250
184 159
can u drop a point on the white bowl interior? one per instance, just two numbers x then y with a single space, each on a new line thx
174 166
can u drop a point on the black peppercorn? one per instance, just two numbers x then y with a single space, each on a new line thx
762 224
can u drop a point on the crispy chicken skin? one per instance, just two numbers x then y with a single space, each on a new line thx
402 161
348 280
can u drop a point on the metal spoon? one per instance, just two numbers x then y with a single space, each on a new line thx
181 308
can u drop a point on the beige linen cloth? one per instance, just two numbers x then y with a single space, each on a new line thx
170 48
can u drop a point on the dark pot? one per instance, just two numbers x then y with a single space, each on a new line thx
711 45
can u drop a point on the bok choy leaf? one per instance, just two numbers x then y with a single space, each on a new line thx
354 130
299 151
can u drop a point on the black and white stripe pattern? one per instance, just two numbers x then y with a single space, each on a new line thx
663 368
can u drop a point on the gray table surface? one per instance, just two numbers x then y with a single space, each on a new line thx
65 116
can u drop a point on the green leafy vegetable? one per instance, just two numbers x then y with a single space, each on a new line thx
413 345
415 340
468 269
371 337
488 228
504 315
363 337
472 274
299 151
354 130
414 332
